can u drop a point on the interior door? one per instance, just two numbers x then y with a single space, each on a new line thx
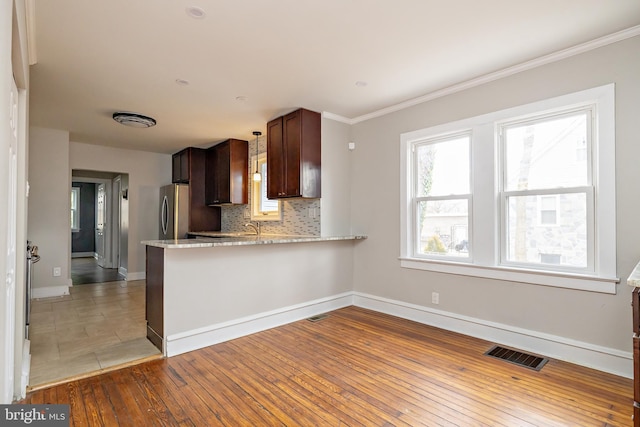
101 216
10 280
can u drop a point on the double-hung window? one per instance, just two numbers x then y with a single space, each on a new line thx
547 194
525 194
442 196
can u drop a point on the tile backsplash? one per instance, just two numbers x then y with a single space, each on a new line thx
295 218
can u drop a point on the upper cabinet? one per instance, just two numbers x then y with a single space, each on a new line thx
227 170
181 166
189 168
293 155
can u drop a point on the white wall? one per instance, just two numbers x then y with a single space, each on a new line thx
49 219
212 293
598 321
147 173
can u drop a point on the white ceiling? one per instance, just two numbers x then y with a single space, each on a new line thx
97 57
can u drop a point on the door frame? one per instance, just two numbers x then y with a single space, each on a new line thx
108 223
116 213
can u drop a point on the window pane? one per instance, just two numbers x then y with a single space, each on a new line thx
530 241
547 154
443 227
443 168
266 205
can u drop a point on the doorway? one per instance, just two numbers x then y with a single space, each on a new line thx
98 247
101 324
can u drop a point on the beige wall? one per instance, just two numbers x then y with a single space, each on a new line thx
147 173
48 214
336 179
598 319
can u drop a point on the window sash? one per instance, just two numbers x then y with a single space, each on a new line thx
588 191
416 231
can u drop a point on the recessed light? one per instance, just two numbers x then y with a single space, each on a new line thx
196 12
361 83
182 82
241 98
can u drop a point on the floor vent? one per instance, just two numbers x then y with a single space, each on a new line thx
317 318
517 357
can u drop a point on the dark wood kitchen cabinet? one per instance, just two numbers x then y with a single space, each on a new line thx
181 166
154 296
293 155
189 165
227 171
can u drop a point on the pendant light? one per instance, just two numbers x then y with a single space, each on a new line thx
256 175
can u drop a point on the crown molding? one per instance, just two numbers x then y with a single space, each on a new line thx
337 117
487 78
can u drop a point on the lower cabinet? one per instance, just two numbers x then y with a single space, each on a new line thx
154 310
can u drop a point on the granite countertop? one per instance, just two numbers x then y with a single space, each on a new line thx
215 239
634 278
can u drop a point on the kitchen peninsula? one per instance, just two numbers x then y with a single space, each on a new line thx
206 290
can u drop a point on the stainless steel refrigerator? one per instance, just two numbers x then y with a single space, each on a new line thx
174 211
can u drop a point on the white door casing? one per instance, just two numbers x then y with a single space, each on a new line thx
101 216
10 281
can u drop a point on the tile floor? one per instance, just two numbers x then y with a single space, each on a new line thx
96 327
86 270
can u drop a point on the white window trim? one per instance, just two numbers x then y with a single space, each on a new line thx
486 226
256 214
77 191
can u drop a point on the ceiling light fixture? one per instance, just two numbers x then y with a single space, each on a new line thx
256 175
133 119
196 12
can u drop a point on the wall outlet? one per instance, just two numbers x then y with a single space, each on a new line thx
312 212
435 298
57 271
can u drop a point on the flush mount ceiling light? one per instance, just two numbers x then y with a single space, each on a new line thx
133 119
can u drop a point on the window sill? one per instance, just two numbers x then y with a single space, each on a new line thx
544 278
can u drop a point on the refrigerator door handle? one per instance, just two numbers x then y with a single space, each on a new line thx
164 215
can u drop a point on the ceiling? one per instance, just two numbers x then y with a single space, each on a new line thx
248 61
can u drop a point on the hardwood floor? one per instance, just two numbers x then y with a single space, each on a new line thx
354 368
96 327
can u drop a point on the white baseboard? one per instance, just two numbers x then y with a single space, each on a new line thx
83 254
49 292
140 275
214 334
605 359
